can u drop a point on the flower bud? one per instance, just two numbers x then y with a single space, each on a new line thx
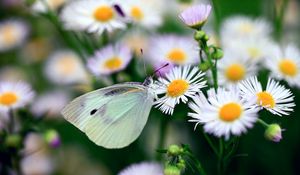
199 35
174 150
206 38
204 66
13 140
52 138
273 133
218 54
171 170
181 164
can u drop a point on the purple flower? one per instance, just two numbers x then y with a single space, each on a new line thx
195 16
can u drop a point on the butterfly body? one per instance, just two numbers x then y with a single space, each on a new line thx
112 117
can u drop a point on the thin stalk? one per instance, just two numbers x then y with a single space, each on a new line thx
15 156
210 61
217 15
11 121
263 123
70 40
279 18
197 164
210 143
220 157
162 137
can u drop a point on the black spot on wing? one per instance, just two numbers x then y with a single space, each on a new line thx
93 111
101 111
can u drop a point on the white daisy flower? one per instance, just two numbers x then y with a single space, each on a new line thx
65 67
42 6
144 168
224 113
110 59
92 16
255 49
14 95
285 65
276 98
141 12
242 26
172 49
12 34
50 103
196 15
234 67
178 84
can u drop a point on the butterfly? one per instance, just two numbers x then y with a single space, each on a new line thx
113 117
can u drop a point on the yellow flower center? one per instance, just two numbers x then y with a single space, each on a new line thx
265 99
67 65
230 112
235 72
288 67
246 28
8 33
113 63
104 13
177 56
254 52
137 13
177 88
8 98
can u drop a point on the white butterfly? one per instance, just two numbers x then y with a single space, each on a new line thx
112 117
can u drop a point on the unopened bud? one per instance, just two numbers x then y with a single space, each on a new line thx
204 66
181 164
218 54
171 170
52 138
174 150
273 133
199 35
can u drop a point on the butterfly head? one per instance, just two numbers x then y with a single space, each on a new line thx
148 81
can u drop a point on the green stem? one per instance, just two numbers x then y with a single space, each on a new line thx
217 15
197 164
15 157
213 65
163 133
68 38
220 157
11 121
263 123
210 143
279 18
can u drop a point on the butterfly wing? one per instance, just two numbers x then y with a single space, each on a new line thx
111 117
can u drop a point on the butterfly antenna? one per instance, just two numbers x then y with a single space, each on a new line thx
144 63
158 70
